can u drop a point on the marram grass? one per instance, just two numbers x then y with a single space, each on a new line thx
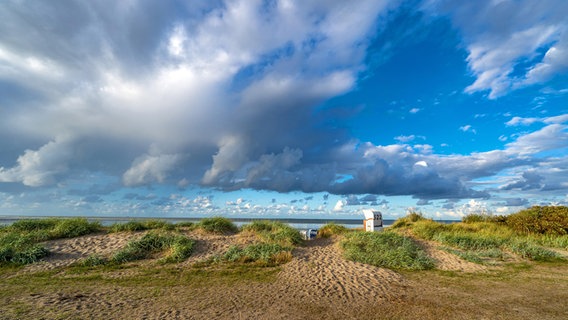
386 250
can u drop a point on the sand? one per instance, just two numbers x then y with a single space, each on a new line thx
317 281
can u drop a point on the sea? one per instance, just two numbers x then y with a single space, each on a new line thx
298 223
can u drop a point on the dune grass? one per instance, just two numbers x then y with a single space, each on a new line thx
274 232
265 254
132 226
386 250
218 225
332 229
482 237
177 248
19 241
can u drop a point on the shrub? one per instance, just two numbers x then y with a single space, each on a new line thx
385 249
331 229
218 225
551 220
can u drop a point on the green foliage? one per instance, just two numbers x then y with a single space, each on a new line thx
218 225
552 220
274 232
22 255
28 225
477 241
331 229
408 220
477 217
529 250
262 253
179 248
93 261
385 249
185 224
19 241
129 226
132 226
74 227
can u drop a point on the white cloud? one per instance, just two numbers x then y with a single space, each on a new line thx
148 168
500 35
414 110
468 128
41 167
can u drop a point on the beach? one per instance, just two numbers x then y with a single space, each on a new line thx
317 282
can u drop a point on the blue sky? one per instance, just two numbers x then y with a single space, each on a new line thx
282 108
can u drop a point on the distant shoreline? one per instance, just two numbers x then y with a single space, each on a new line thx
302 222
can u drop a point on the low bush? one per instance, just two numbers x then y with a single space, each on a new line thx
385 249
331 229
217 225
552 220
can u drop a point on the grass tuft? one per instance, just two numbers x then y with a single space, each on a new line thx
332 229
178 248
274 232
217 225
385 249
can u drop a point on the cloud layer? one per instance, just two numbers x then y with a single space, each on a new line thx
229 94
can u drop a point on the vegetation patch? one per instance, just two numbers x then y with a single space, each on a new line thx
19 241
274 232
266 254
385 249
481 237
178 248
332 229
217 225
132 226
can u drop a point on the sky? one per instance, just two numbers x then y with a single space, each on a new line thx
282 108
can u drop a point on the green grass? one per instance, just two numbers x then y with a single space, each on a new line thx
19 241
484 237
386 250
177 247
274 232
266 254
217 225
132 226
332 229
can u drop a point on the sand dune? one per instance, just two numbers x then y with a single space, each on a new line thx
317 280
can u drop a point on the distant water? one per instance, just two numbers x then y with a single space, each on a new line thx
297 223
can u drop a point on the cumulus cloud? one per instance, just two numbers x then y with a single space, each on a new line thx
147 169
228 95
